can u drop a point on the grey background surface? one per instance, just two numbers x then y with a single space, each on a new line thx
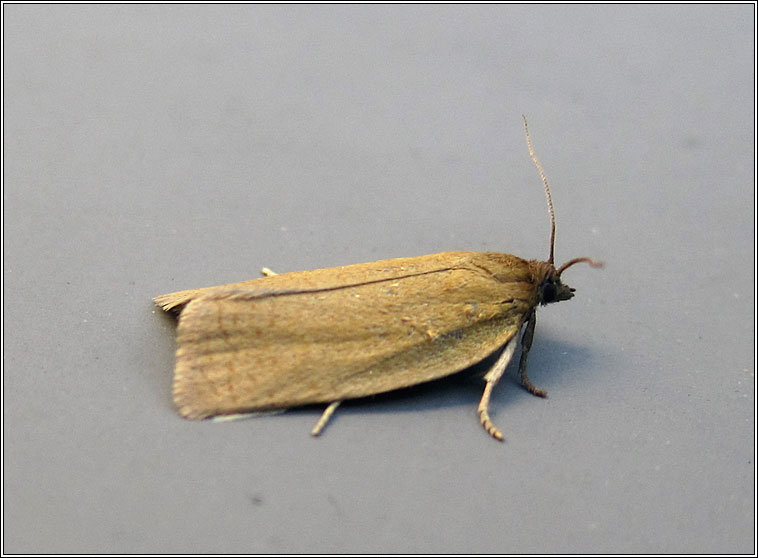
152 148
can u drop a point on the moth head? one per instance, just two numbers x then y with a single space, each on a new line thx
551 288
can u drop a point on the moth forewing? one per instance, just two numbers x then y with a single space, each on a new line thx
267 344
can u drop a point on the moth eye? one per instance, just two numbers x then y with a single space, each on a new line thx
548 293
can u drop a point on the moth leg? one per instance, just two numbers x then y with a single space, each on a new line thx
328 412
266 272
492 377
526 344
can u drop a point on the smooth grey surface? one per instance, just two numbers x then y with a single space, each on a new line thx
152 148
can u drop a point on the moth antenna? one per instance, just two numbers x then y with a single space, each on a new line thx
550 209
569 263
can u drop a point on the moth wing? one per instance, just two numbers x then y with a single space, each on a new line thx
269 346
339 277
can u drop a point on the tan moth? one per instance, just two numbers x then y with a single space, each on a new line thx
327 335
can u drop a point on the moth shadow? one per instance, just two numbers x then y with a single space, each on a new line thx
547 359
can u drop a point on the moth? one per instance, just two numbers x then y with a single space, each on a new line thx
328 335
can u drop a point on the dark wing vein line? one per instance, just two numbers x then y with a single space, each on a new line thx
246 294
